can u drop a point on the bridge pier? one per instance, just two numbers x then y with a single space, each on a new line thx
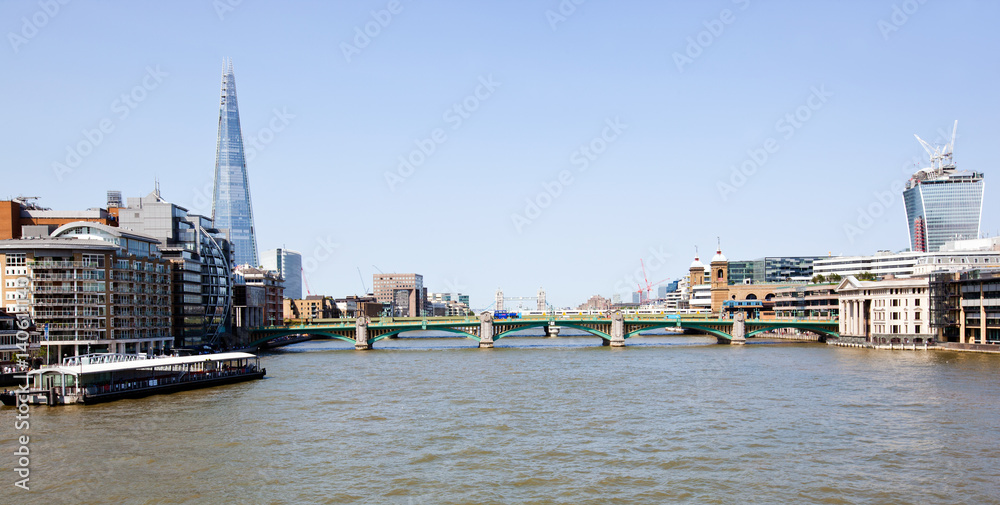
617 329
551 330
739 332
485 330
361 334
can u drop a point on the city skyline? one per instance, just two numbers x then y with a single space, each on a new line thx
352 137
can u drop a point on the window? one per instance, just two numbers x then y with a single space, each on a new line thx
916 303
16 259
916 329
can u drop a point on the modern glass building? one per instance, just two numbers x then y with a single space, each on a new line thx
202 266
288 263
772 269
943 205
231 209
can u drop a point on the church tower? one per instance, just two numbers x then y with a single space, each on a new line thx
719 270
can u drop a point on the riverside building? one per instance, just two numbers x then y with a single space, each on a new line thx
90 288
973 307
812 301
271 282
201 256
886 312
952 256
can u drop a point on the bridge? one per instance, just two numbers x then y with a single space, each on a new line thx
613 328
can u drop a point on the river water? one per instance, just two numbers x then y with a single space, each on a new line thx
541 421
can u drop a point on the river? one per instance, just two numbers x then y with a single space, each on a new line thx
541 421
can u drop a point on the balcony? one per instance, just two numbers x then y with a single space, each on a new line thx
38 265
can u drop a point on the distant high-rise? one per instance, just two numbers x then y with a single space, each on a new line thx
231 209
942 203
289 264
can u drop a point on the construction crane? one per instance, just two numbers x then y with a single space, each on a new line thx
649 285
305 281
362 281
939 154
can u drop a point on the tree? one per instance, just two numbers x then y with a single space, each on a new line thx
833 278
866 276
818 279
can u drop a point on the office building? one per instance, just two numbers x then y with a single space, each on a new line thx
596 302
953 256
231 206
311 307
942 203
201 258
271 282
288 264
813 301
967 304
404 293
772 269
22 214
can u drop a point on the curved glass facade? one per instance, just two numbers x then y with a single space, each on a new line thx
950 205
231 209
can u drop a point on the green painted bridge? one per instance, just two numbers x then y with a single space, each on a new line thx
613 328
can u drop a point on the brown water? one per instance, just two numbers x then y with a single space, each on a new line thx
435 421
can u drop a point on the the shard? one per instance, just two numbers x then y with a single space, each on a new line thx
231 208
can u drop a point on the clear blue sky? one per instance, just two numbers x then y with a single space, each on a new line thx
321 179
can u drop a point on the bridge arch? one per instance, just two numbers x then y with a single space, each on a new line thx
818 331
542 324
404 330
709 331
653 325
301 331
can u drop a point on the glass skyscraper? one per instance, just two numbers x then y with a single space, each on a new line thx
943 205
289 264
231 209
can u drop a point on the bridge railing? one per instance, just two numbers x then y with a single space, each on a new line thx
471 321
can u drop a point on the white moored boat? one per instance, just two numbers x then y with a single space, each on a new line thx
99 378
